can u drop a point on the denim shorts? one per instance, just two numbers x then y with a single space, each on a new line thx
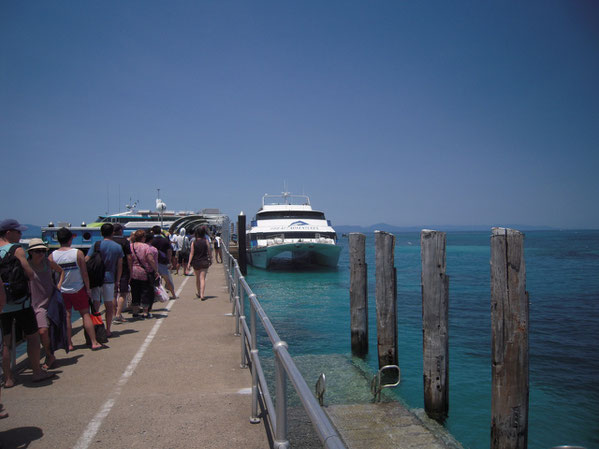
104 293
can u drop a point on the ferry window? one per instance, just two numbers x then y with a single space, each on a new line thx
54 237
277 215
87 236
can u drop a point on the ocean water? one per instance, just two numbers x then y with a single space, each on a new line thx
310 310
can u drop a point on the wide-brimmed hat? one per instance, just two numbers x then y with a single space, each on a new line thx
10 223
36 244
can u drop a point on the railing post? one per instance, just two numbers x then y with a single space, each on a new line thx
254 419
435 328
281 441
241 243
236 311
240 314
243 356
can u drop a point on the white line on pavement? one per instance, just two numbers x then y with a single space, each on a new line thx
94 425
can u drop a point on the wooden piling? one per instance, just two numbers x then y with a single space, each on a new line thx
435 319
241 239
358 294
509 320
386 298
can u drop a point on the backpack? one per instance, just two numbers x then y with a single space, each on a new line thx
95 268
16 283
185 246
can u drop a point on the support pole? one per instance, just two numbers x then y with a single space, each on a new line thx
386 298
358 294
435 319
280 440
241 244
509 322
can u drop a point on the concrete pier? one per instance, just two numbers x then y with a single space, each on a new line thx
173 381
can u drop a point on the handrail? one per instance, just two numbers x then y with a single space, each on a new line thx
285 367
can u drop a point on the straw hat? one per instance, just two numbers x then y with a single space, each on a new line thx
36 244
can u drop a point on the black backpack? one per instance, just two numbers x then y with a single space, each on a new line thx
16 283
95 268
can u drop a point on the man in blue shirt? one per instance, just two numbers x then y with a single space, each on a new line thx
112 256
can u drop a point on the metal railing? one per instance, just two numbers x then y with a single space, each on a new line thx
285 368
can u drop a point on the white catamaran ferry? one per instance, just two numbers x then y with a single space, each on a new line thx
287 225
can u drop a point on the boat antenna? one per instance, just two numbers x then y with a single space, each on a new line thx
285 193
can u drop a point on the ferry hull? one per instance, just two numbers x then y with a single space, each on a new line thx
323 254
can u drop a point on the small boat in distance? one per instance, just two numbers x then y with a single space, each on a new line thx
286 224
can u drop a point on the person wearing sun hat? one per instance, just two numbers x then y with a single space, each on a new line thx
19 308
42 289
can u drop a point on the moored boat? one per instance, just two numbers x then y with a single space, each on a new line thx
286 225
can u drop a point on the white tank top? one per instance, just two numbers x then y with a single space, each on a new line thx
73 282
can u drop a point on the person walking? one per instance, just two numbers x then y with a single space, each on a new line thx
18 301
75 286
122 288
144 273
184 249
112 256
42 288
200 259
218 255
163 245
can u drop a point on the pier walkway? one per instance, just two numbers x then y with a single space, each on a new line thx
170 382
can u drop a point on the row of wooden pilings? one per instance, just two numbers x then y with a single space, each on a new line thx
509 324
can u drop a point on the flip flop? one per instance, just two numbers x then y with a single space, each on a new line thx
45 376
9 386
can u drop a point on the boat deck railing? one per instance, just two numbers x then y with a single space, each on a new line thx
285 368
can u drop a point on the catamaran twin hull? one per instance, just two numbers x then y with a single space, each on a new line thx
323 254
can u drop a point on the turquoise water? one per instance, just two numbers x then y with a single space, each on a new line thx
310 310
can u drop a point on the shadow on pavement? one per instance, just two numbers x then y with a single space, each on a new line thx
19 437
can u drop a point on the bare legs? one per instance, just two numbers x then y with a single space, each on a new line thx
33 352
87 325
201 282
45 337
109 305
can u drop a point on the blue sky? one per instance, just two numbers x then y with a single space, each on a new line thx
410 113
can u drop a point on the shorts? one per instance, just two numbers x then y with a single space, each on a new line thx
104 293
25 319
41 316
78 301
123 286
183 256
164 271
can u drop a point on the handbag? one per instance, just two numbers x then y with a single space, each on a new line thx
160 293
151 275
98 327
